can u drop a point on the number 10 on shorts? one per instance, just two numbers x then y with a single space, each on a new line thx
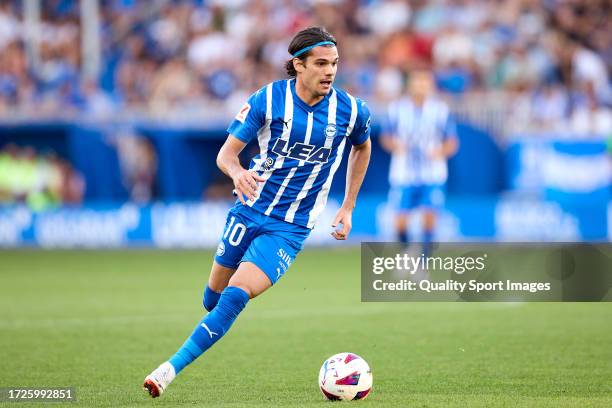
234 233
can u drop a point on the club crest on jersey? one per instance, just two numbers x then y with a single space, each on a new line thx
221 249
330 131
302 151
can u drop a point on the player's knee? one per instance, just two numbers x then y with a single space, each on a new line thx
429 220
251 279
245 287
401 221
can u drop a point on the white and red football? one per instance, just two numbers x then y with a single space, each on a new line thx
345 376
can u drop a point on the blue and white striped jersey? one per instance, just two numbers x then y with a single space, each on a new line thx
300 147
422 130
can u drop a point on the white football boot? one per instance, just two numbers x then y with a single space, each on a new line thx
157 382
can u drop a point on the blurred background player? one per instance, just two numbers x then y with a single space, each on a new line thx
302 126
420 136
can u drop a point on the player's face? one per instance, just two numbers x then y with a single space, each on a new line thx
319 70
421 84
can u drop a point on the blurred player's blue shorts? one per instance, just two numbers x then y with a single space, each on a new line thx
410 197
269 243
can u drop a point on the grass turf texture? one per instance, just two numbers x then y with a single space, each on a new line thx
101 321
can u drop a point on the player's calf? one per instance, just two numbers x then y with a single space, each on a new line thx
217 281
210 329
210 298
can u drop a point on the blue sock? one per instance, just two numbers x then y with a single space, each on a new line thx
403 237
427 240
212 327
210 299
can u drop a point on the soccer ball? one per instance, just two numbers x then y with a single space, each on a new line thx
345 376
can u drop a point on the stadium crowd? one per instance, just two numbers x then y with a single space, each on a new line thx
551 59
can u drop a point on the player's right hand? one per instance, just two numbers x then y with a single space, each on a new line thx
246 184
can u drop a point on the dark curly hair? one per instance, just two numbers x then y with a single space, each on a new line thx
303 39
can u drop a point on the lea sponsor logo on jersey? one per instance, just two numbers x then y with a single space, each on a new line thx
302 151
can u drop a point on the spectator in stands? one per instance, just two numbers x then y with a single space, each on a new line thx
198 58
138 161
589 116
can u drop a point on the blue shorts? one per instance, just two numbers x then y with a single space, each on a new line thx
410 197
269 243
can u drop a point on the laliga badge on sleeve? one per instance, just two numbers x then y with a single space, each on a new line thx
244 111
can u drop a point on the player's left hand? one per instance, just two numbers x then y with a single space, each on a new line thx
344 217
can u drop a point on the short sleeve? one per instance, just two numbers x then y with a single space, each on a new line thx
361 132
250 118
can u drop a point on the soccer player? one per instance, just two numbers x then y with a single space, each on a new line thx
302 126
420 135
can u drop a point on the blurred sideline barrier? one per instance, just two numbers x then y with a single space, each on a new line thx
185 158
200 225
532 188
569 172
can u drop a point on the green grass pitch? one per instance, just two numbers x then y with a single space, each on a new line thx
102 320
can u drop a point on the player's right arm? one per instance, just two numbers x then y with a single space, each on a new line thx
243 129
245 181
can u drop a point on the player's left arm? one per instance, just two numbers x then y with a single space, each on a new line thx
449 147
450 143
358 161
